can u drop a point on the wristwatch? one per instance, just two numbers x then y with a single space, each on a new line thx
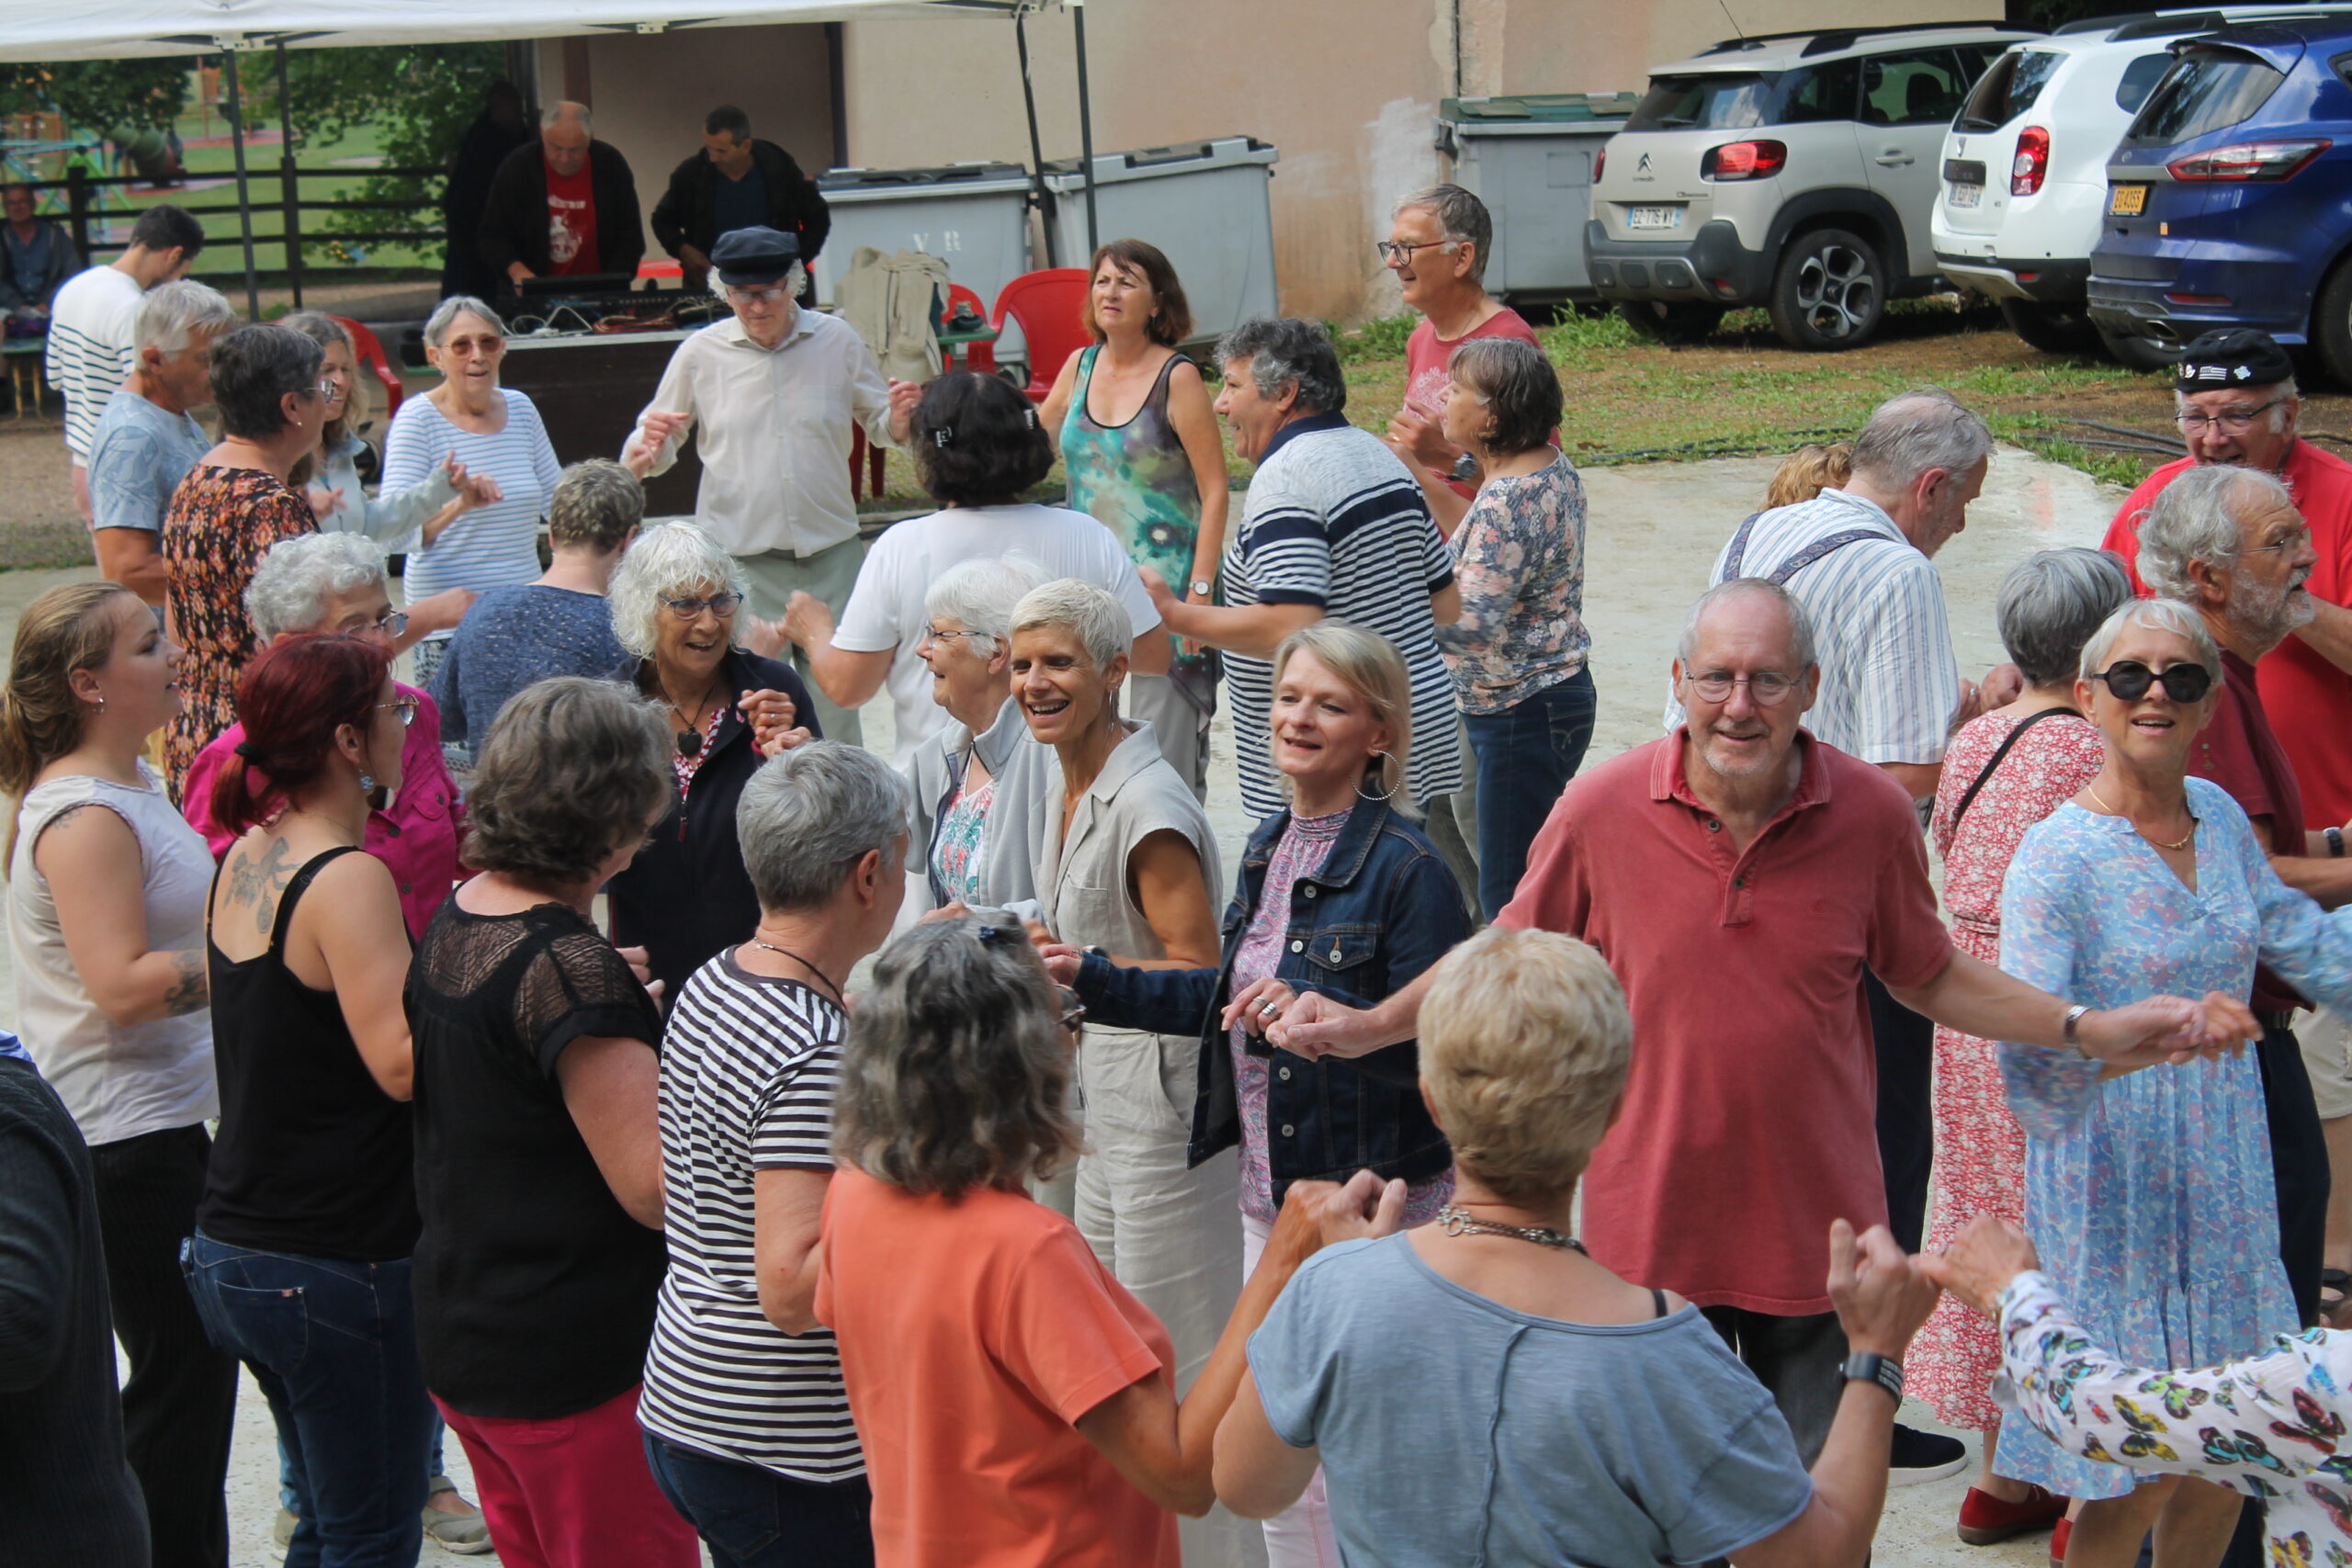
1465 468
2069 1030
1864 1366
1202 586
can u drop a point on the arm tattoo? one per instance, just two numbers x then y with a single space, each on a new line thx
259 880
191 986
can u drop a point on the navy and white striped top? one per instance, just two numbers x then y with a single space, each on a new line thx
92 327
1335 519
491 546
1890 683
749 1068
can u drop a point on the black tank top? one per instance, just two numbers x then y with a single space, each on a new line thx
312 1158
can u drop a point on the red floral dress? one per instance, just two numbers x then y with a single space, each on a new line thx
219 525
1980 1149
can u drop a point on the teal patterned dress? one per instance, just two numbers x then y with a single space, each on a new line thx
1136 480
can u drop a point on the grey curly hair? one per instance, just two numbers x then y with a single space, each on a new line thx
669 558
289 588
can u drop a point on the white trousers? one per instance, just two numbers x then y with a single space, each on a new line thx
1300 1536
1164 1232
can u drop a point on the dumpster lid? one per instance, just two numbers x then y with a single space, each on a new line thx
1524 109
1146 162
949 176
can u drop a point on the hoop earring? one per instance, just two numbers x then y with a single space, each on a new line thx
1363 789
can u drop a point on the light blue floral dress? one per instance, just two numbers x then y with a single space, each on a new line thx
2150 1196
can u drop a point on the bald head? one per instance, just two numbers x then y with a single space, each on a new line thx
564 132
1754 604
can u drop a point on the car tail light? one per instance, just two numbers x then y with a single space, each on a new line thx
1744 161
2032 163
2249 161
1600 165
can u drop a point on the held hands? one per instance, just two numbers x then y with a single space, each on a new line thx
638 966
769 714
1881 1295
904 396
1981 1261
1318 1213
653 432
2168 1029
1061 959
1312 1025
1260 1006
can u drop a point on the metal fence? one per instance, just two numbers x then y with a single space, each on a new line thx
82 188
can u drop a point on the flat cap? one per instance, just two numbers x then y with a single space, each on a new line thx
2233 357
745 257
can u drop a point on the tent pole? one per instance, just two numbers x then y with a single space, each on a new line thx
288 190
1036 150
244 200
1085 123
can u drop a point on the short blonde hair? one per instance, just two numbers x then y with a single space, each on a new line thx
1807 472
1092 613
1525 1044
1375 671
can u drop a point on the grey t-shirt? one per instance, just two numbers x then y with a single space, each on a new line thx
1454 1431
139 457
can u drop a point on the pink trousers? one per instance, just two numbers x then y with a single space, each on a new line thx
573 1492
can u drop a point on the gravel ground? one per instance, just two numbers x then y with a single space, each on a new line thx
1653 531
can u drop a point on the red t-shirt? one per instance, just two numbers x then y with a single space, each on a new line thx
2240 751
973 1335
571 223
2308 699
1750 1115
1427 354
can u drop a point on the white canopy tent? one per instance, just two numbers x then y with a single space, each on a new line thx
123 30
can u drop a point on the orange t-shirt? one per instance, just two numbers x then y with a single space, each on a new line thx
973 1335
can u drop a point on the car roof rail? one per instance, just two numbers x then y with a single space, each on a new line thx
1825 40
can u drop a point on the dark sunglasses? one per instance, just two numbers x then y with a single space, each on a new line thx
2129 679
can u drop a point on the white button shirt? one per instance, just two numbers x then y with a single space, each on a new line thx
773 428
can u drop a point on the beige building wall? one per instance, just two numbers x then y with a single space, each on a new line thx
649 92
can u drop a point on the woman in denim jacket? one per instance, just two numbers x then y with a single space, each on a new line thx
1339 894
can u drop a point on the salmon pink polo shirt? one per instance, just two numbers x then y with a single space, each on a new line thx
1750 1114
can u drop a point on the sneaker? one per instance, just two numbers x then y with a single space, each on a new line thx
2058 1533
462 1531
282 1532
1985 1519
1924 1456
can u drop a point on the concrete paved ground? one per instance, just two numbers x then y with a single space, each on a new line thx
1652 533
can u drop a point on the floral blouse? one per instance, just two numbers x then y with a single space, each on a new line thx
2272 1424
956 851
1519 562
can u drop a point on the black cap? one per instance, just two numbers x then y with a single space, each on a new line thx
2234 357
747 257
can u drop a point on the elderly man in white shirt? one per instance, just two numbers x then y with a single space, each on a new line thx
775 391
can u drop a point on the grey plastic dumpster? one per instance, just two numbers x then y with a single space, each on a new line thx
1204 203
1530 159
974 217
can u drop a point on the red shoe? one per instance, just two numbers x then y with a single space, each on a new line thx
1984 1518
2058 1533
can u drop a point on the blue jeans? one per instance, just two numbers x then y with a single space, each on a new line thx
753 1518
1527 754
333 1345
434 1469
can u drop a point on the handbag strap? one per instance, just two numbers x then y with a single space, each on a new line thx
2000 752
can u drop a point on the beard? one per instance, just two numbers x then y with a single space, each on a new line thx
2271 612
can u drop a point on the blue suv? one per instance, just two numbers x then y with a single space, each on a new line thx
2229 199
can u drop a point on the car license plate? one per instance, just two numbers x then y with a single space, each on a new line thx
2127 201
1967 196
1653 218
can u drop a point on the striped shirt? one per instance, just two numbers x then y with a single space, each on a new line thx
491 546
1890 685
1335 519
92 328
749 1068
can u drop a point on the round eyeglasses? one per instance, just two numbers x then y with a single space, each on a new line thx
719 604
1766 688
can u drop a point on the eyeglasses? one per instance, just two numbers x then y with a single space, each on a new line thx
719 604
1394 251
2290 541
1766 688
757 296
937 636
2238 422
2129 679
404 707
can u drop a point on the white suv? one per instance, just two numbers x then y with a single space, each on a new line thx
2024 168
1794 171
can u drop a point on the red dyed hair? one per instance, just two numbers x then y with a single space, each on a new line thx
291 700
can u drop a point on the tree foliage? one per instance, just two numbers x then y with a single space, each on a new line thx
99 95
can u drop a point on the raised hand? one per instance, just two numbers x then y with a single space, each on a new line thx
771 712
1318 1213
1881 1293
1416 433
904 397
808 620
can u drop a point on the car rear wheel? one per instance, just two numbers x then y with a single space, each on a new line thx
2053 329
2138 353
2332 324
1828 292
1670 322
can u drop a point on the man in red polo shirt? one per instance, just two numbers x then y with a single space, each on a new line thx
1738 876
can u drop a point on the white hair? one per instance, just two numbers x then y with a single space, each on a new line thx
2197 517
667 558
1091 611
554 114
436 325
1915 431
981 594
2158 614
289 588
172 314
793 283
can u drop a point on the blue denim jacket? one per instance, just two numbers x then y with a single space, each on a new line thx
1383 909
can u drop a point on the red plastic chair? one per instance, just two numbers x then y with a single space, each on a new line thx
1049 306
373 358
979 357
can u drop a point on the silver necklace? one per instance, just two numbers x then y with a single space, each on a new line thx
1459 1221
